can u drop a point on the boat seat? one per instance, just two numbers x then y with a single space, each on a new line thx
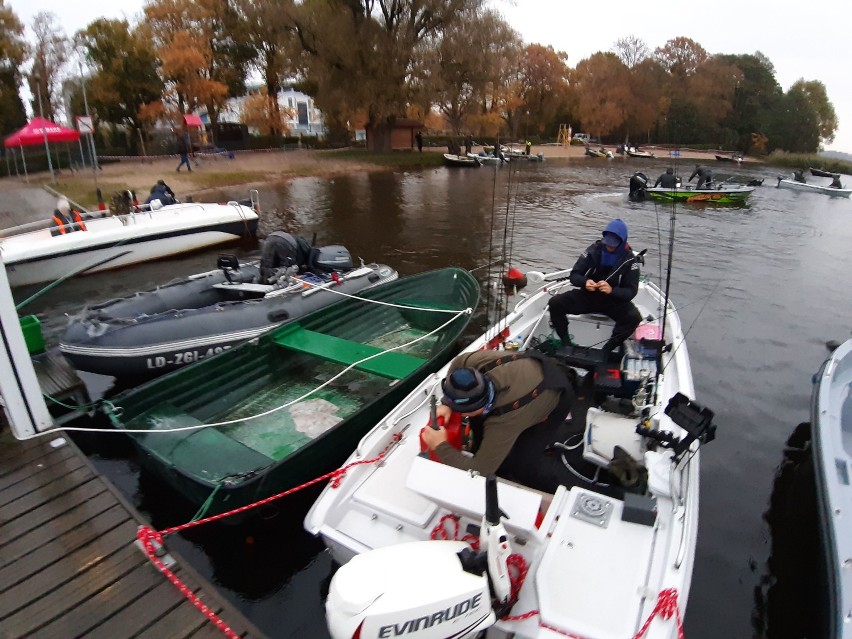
229 265
393 365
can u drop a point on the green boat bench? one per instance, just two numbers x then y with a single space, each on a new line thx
392 364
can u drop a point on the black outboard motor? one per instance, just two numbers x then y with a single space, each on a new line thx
638 186
282 251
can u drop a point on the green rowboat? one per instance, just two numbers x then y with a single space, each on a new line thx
293 403
722 194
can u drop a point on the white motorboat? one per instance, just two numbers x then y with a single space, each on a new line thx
831 423
600 558
485 158
813 188
143 234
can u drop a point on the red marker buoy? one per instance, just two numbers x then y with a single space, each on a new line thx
514 277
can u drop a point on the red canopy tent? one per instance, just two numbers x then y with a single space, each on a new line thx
33 134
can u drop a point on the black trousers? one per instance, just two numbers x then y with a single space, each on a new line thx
578 301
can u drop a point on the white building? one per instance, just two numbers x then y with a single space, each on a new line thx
300 112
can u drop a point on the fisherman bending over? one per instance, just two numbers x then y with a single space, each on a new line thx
835 182
705 176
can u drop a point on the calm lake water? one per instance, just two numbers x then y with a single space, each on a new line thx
760 289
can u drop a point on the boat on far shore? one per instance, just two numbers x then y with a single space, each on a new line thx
451 159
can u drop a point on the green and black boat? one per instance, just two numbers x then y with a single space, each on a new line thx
293 403
722 194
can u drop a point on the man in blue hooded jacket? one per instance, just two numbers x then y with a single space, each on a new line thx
607 277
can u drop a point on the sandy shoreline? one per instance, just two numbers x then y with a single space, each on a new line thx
254 168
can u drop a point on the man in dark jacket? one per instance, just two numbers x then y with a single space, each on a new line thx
607 277
705 176
503 396
161 191
667 180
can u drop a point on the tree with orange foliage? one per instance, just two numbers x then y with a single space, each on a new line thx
602 86
543 84
681 56
256 112
201 62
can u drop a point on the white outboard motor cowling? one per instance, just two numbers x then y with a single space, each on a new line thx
416 590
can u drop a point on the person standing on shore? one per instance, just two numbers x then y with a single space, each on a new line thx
418 137
183 152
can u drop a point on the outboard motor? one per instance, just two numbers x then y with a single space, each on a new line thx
331 258
425 589
638 186
419 590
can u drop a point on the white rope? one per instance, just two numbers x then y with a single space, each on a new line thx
142 431
380 303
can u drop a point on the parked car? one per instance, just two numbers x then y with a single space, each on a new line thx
581 137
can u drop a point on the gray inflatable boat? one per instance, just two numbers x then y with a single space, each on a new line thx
145 335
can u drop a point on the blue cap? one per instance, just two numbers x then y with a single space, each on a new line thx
466 390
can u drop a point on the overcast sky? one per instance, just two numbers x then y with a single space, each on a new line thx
800 43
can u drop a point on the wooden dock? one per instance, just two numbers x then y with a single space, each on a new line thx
69 566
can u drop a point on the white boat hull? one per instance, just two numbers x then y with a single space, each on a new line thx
585 578
117 241
832 449
813 188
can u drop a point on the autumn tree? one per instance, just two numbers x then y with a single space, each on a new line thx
603 93
818 97
466 88
711 91
267 30
796 123
13 51
631 50
681 56
360 54
543 85
124 73
257 111
756 98
649 98
49 53
201 61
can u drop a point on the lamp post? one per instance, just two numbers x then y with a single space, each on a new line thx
92 134
37 78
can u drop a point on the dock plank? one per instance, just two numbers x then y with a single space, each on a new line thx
69 566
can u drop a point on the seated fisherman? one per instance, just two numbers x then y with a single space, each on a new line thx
835 182
161 191
66 219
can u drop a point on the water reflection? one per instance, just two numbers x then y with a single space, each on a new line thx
791 598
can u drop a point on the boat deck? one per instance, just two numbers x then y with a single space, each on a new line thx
68 560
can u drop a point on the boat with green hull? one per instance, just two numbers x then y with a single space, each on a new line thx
293 403
722 194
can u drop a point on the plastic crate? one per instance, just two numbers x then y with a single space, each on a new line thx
31 327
